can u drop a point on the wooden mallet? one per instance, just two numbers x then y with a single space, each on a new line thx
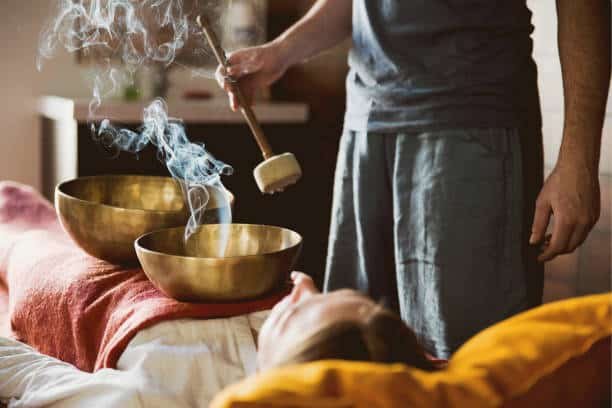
275 173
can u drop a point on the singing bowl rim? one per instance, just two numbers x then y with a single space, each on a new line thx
140 248
60 191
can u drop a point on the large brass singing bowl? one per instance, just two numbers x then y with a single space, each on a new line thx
219 262
104 215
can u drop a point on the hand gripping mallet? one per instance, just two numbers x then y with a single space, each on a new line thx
275 173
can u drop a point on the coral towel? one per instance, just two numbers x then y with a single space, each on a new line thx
69 305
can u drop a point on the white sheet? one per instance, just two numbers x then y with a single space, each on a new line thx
181 363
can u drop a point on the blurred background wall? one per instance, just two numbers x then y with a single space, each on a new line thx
21 84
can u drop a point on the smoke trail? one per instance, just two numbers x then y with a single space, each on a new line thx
189 163
120 37
124 35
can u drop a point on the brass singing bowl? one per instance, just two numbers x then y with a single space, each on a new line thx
104 215
219 262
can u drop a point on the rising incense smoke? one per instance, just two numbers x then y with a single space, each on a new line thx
187 162
121 37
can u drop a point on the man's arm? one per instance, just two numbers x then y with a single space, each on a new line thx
326 24
571 193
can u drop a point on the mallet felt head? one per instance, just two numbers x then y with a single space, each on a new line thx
277 173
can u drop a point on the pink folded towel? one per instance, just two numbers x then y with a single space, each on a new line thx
70 305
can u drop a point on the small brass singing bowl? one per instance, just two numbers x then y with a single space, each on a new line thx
104 215
219 262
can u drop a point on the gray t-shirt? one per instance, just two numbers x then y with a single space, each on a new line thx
440 64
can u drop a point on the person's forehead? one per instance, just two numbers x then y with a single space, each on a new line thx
349 292
349 296
341 302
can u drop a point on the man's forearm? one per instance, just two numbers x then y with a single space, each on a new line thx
326 24
584 50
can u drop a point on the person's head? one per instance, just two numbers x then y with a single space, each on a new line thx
308 325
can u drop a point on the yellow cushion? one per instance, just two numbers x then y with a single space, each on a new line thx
514 363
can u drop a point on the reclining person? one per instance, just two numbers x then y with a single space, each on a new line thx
305 326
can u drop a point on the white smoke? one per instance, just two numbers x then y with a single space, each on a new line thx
187 162
120 37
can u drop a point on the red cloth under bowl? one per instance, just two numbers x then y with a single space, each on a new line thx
70 305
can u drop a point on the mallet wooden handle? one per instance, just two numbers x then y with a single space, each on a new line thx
246 110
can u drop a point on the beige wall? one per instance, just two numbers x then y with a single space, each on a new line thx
20 83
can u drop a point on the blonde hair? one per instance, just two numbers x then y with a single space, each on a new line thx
380 337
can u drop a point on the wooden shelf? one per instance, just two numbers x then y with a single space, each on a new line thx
211 111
